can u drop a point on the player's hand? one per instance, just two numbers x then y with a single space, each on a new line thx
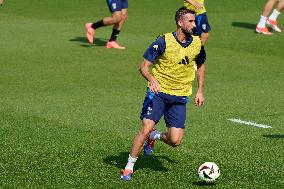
198 6
154 86
199 99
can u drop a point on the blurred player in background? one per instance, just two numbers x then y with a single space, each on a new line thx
118 8
171 59
271 21
202 25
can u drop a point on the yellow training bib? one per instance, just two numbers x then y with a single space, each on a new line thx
174 69
191 7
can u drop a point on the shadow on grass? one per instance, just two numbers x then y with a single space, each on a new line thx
203 183
244 25
277 136
152 162
97 41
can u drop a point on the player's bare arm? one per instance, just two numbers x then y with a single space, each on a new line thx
144 70
199 99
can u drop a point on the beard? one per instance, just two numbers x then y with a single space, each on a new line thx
187 32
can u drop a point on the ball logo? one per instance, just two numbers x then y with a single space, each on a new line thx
209 172
212 170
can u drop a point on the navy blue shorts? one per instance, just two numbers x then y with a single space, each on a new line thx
117 5
202 25
173 108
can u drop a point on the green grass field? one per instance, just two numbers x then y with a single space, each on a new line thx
69 110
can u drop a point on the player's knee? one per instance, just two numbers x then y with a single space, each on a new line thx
175 142
124 17
116 18
147 127
205 36
145 132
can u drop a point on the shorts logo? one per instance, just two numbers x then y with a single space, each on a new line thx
113 6
149 110
155 47
204 26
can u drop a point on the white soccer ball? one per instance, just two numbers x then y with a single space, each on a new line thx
208 172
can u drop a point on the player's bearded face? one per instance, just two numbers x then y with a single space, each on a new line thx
186 31
188 24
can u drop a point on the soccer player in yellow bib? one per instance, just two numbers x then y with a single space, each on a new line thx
202 25
168 67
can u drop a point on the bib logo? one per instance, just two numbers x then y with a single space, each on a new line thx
184 61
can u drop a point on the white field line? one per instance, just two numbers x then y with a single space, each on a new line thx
250 123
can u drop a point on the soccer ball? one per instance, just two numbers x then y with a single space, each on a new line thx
208 172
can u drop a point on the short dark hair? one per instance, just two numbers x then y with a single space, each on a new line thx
181 12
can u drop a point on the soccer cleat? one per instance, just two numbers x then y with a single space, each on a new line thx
264 30
90 32
114 44
126 174
149 143
273 25
148 146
